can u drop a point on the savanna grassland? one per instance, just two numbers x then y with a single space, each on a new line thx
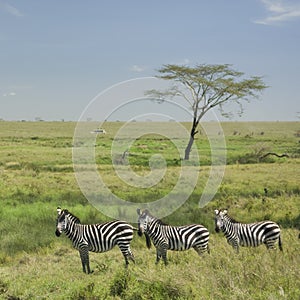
37 175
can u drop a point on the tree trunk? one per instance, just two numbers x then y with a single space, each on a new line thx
188 148
191 140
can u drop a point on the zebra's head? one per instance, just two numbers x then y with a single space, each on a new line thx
219 219
143 220
61 222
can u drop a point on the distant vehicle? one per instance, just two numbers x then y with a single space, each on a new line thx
99 130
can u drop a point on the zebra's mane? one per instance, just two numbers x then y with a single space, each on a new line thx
232 220
75 219
160 222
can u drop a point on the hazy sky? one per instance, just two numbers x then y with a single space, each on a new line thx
56 56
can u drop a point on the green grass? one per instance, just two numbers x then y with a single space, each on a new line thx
36 176
55 273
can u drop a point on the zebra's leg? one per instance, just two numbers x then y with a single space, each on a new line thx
208 249
84 255
236 248
280 243
158 255
127 256
126 251
164 257
270 244
130 255
201 249
126 262
163 253
235 245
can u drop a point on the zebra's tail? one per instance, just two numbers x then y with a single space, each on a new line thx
280 243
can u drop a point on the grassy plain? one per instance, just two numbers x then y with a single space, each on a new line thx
36 175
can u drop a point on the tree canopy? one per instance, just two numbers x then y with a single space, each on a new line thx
206 86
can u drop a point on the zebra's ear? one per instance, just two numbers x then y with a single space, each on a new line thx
58 211
138 210
216 212
225 211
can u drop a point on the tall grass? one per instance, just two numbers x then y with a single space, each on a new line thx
55 273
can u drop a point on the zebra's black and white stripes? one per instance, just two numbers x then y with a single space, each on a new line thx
166 237
248 235
95 237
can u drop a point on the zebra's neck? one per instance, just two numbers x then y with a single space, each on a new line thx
228 224
72 227
154 225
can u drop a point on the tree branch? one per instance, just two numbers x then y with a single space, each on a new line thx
274 154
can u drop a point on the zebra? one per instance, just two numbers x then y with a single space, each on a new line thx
166 237
95 237
247 235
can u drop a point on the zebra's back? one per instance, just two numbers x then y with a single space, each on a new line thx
181 238
254 234
103 237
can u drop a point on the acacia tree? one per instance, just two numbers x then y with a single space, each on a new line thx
204 87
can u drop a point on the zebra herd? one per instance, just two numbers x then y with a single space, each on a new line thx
103 237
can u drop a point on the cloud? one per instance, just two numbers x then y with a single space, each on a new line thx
11 94
14 90
279 11
8 8
136 68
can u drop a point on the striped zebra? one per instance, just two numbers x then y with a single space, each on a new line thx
166 237
247 235
95 237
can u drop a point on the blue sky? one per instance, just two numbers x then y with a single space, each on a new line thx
56 56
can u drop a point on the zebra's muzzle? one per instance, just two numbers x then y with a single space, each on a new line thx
217 229
140 229
57 232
